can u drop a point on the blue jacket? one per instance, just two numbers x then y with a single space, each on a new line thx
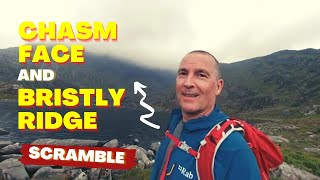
234 159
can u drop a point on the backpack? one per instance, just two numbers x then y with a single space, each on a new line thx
267 154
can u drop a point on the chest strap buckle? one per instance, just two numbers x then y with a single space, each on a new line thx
184 146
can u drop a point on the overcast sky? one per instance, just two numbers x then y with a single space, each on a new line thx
159 33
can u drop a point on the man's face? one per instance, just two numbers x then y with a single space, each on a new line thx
197 85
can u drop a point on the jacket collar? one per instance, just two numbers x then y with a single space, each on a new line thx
204 122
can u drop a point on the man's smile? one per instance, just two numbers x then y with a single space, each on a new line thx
189 94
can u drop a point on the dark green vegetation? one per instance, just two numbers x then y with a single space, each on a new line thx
279 92
302 131
285 78
136 173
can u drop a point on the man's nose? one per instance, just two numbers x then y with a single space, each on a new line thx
188 83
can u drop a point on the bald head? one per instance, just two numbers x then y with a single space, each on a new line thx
215 61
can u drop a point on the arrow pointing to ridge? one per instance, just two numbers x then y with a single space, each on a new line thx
137 87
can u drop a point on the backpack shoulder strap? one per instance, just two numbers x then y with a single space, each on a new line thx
210 145
182 145
267 153
176 132
175 142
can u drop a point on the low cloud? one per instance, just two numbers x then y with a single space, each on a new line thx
159 33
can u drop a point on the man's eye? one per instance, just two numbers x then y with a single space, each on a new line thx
182 73
202 75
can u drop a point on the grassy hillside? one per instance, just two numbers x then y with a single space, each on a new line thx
286 78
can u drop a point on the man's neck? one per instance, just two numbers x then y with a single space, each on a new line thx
189 116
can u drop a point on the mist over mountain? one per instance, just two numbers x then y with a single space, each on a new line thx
97 72
286 78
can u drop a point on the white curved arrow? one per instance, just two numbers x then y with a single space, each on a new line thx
138 87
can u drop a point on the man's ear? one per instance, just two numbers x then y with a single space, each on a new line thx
220 84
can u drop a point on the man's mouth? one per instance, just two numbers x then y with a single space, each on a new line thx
189 94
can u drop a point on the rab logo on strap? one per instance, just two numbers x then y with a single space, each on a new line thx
184 172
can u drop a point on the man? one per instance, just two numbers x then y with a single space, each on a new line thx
198 83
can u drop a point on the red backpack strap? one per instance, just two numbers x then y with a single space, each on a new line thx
210 145
267 153
180 144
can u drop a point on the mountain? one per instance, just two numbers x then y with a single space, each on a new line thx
98 71
286 79
279 93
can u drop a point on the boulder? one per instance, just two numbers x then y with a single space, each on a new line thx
309 133
93 173
313 150
11 149
289 128
1 175
81 176
112 144
4 143
31 169
105 174
150 154
312 136
13 169
289 172
73 172
117 174
141 154
99 174
8 156
3 132
136 147
285 112
278 139
50 173
141 164
76 173
155 147
150 164
68 142
136 141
